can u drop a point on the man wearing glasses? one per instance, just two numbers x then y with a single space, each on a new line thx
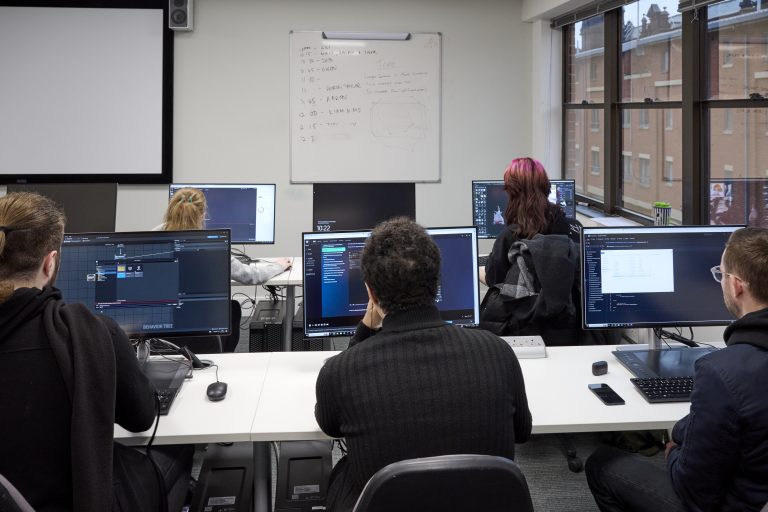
718 456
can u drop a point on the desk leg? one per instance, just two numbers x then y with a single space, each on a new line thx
262 477
290 308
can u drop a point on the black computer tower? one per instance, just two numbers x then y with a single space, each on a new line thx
266 330
226 479
303 469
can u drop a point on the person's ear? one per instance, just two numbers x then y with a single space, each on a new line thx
737 286
49 264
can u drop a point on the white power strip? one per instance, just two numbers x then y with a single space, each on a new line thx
527 347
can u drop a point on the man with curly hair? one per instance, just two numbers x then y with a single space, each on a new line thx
411 385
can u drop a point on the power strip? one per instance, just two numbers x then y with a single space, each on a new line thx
527 347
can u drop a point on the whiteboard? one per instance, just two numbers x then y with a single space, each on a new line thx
365 110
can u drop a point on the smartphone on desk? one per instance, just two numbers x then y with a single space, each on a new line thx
606 394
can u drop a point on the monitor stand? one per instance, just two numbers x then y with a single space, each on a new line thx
648 337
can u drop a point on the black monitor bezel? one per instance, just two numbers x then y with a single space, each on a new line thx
348 332
236 185
315 186
171 334
639 325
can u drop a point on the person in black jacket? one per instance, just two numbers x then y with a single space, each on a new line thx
411 385
718 457
66 376
529 214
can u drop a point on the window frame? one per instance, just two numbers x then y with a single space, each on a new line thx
693 168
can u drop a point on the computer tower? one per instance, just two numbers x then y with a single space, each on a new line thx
303 469
266 330
226 479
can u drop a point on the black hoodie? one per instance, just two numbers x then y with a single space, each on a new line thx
66 376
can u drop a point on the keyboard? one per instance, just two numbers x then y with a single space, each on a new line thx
665 389
166 396
482 260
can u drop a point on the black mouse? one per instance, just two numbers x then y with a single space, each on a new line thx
216 391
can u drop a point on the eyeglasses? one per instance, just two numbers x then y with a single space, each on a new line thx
717 274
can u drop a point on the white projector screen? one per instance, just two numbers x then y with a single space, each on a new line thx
82 94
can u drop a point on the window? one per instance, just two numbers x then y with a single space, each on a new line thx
626 165
595 168
653 153
593 71
669 120
669 174
595 123
728 121
645 119
645 170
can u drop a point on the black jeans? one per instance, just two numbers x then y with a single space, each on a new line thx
623 482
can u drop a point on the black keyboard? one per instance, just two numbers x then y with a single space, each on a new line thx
482 260
665 389
166 396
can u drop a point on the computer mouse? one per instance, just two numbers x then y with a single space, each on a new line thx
216 391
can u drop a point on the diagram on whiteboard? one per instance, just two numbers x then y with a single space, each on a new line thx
367 104
399 123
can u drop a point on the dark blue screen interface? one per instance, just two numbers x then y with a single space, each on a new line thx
652 277
248 211
335 298
489 201
152 284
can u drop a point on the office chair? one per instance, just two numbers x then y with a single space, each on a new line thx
449 483
11 499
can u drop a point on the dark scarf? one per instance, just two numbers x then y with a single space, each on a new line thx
751 329
81 344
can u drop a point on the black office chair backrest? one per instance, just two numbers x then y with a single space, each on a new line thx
11 499
447 483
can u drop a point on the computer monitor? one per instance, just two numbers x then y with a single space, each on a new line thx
360 206
334 293
247 210
88 206
652 276
153 284
489 201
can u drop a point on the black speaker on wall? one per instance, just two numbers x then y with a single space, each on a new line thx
180 14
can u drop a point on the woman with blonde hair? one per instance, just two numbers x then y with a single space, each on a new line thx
186 210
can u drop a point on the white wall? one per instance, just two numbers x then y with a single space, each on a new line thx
231 100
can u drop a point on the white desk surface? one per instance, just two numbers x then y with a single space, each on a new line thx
286 411
556 387
271 397
560 401
195 419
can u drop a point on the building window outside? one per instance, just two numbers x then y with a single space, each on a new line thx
645 119
595 168
665 61
626 118
669 119
728 121
669 174
645 171
595 121
626 165
728 172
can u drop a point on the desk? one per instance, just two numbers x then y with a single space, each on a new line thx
271 397
556 387
195 419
